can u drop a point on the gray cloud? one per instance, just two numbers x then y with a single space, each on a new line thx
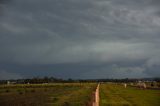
8 75
98 33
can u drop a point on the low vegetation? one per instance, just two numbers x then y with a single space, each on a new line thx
112 94
60 94
79 94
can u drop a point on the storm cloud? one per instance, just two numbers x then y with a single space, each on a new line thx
80 38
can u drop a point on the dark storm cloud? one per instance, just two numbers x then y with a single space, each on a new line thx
80 38
2 4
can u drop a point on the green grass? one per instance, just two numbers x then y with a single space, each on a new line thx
69 94
116 95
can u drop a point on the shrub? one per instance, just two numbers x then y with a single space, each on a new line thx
7 90
65 104
55 99
45 90
19 91
26 90
33 90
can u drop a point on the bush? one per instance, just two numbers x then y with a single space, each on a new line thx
19 91
55 99
45 90
7 90
65 104
26 90
33 90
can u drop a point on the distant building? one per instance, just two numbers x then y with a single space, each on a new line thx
8 82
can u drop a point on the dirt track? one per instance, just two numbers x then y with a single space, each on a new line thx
96 102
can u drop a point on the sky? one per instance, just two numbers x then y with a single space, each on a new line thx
79 39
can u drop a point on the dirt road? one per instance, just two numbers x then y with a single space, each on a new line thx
96 102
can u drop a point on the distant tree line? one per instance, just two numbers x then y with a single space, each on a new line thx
39 80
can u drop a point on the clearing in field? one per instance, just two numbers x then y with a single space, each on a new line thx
112 94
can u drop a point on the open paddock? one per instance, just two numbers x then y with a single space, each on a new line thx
112 94
58 94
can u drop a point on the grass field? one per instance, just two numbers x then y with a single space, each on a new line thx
116 95
73 94
76 94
